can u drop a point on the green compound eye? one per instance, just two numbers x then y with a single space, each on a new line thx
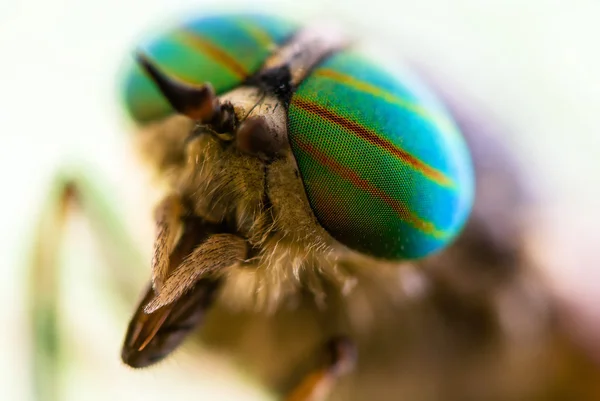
384 167
222 50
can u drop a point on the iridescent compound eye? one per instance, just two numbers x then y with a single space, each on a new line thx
385 170
223 50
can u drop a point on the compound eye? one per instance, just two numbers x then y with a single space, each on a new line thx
224 50
257 137
384 168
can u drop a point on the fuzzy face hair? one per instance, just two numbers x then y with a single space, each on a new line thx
266 204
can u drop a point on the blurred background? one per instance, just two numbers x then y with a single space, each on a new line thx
535 65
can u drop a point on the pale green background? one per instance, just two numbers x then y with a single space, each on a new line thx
536 64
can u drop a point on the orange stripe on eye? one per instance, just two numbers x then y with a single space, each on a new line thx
217 54
260 36
382 94
371 137
348 174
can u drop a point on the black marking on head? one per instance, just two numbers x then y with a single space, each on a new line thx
277 81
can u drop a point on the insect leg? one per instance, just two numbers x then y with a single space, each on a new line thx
73 190
317 385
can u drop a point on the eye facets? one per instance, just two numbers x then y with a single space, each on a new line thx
385 169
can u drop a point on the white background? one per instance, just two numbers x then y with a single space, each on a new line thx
534 63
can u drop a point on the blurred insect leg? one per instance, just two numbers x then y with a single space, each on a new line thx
218 252
70 191
317 385
43 297
168 221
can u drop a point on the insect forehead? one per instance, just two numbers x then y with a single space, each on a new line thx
385 169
